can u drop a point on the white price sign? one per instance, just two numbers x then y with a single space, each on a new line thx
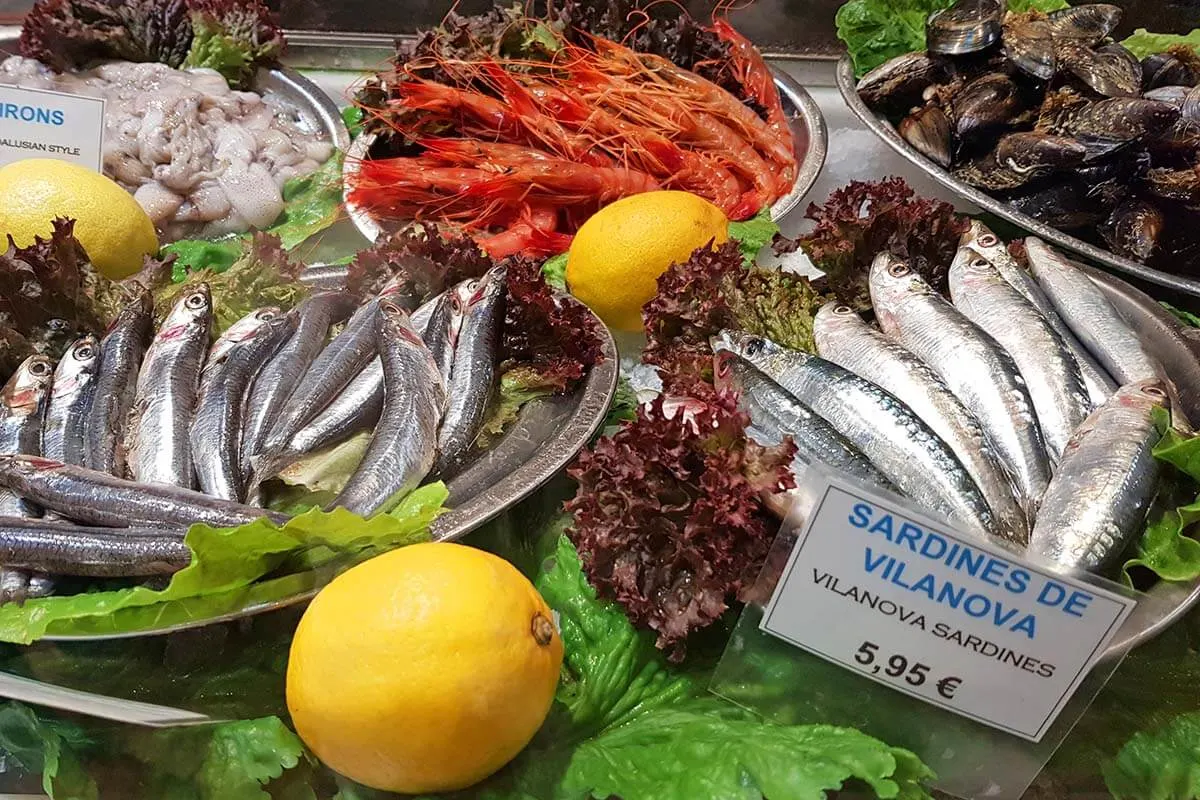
36 123
904 600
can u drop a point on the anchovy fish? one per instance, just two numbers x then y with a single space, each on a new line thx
1091 316
64 433
979 238
64 549
898 443
279 376
1051 374
158 442
442 329
778 413
473 377
845 339
97 498
979 372
404 444
216 434
121 352
1098 499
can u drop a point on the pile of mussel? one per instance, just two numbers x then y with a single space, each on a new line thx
1046 112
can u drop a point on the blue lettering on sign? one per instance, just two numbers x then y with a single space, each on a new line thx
35 114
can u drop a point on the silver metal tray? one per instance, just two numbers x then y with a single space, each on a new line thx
885 130
808 130
547 434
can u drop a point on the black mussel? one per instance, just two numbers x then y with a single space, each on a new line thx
1121 120
1168 69
1057 108
1029 44
1134 229
898 83
986 103
966 27
1058 204
928 130
1090 23
1171 93
1189 111
1111 71
1176 184
989 175
1033 150
1106 184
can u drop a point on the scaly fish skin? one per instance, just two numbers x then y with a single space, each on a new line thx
1105 483
404 444
64 433
979 372
899 444
844 338
158 443
1051 374
121 352
64 549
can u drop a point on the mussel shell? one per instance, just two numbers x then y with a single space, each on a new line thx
899 82
986 103
1176 184
1059 204
1170 93
928 130
1189 111
966 27
1134 229
1111 71
1122 119
1029 44
1032 150
987 174
1090 23
1167 69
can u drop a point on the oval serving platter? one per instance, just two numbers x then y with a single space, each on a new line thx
884 129
808 130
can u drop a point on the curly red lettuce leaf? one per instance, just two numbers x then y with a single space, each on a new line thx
432 260
69 34
668 518
233 37
863 219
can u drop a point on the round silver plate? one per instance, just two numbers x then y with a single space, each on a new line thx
885 130
808 131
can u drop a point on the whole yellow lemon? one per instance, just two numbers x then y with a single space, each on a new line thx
109 223
619 252
425 669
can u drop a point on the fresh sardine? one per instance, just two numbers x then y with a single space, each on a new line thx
64 549
158 442
404 444
845 339
1098 499
23 404
473 377
221 404
777 413
64 433
97 498
279 376
1056 387
1091 316
899 444
979 372
979 238
121 352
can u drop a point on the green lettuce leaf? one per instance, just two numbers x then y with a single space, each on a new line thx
1165 547
1186 317
1143 43
352 118
245 755
197 254
47 747
555 272
226 565
754 234
311 203
624 405
1159 765
518 386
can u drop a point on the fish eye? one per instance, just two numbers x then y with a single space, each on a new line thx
84 351
1154 391
988 240
268 314
980 263
39 368
755 346
898 269
195 301
843 310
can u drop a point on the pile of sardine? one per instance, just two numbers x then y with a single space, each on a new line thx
1067 126
108 457
1023 409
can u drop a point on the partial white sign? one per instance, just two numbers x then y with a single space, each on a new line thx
36 123
904 600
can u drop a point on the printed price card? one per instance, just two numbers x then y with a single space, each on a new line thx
36 123
908 602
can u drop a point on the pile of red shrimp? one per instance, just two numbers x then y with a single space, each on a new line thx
519 153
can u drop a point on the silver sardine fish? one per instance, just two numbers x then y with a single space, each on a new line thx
404 444
64 433
843 337
980 238
121 353
65 549
777 413
1056 387
279 376
222 401
1105 483
473 377
97 498
977 369
1091 316
899 444
158 444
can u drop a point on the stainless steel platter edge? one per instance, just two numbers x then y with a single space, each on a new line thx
882 128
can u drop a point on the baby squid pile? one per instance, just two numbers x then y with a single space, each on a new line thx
1023 408
109 456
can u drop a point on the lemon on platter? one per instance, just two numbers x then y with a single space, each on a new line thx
619 252
425 669
109 223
